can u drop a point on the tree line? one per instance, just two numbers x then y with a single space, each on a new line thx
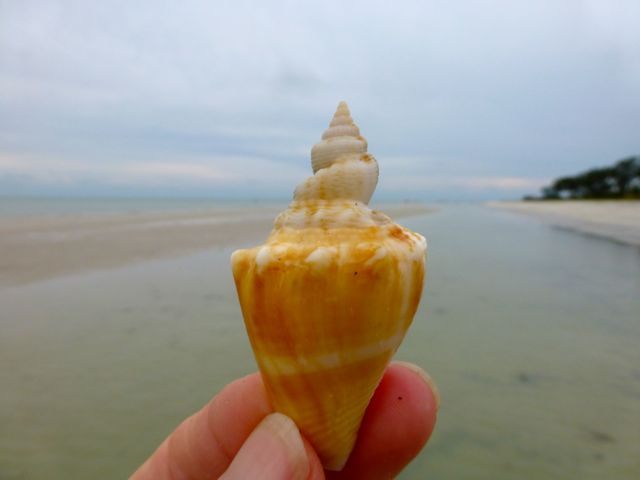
621 180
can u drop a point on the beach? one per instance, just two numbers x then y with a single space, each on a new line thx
137 325
615 220
38 247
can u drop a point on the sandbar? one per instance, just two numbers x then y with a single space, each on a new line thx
614 220
41 247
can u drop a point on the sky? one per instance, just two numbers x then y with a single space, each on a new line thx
459 100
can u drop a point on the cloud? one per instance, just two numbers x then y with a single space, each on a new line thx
227 171
409 183
502 183
490 96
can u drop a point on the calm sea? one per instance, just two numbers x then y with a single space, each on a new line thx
531 332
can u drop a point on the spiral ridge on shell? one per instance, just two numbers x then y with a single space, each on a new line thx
341 165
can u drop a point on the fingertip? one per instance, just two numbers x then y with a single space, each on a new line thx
424 376
274 450
316 471
399 420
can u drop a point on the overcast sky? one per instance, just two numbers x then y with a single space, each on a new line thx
458 100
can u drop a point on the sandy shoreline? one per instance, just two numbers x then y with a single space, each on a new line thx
36 248
615 220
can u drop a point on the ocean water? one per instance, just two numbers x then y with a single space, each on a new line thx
531 332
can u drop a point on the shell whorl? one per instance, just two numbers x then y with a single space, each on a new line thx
342 137
341 165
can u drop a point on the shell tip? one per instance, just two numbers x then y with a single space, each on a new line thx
343 108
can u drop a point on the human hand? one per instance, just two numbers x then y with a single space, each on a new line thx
237 435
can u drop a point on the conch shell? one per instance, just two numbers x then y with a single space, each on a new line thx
328 299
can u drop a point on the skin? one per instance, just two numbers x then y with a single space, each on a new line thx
237 435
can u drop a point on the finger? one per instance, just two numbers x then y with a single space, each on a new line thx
205 443
273 451
316 471
397 424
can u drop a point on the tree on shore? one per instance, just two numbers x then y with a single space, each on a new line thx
621 180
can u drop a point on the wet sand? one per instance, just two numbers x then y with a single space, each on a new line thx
39 247
615 220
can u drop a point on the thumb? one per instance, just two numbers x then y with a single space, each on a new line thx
273 451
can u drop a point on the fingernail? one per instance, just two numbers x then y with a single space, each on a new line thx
424 376
283 427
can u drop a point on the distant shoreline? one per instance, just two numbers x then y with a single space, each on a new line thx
617 220
40 247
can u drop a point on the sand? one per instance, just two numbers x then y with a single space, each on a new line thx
37 248
615 220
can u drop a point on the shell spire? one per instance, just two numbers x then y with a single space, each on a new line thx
341 165
342 125
341 138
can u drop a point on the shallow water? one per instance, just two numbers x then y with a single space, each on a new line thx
531 333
